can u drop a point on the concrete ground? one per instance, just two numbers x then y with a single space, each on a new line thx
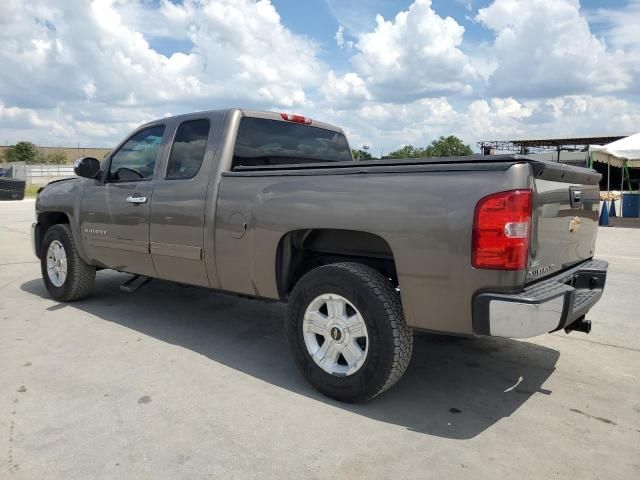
174 382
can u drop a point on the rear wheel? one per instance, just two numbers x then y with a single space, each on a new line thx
66 276
347 332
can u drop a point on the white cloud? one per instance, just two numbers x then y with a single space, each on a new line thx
545 48
391 125
25 118
70 124
87 55
340 41
574 115
16 121
88 72
621 28
622 24
345 92
468 4
355 15
340 36
15 117
415 55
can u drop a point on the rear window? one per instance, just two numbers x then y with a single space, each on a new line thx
271 142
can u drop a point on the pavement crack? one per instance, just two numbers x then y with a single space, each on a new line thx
588 415
11 465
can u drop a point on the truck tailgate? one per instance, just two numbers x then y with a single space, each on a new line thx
565 218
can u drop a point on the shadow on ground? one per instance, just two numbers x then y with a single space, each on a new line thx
454 388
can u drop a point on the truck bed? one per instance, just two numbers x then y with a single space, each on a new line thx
552 171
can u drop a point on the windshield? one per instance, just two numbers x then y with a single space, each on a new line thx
272 142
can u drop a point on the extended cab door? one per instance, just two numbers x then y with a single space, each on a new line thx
177 229
116 210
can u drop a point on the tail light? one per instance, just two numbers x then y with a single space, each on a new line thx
295 118
501 227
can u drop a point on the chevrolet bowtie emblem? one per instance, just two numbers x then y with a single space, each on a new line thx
574 224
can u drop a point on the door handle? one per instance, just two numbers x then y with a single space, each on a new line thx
575 197
136 200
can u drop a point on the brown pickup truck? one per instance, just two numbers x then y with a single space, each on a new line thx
273 205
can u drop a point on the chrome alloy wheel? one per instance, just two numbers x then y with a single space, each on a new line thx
56 263
335 335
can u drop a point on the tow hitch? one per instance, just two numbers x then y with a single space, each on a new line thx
580 325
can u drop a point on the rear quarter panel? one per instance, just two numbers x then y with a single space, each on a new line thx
425 217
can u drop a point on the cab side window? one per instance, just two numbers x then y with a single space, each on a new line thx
188 149
136 159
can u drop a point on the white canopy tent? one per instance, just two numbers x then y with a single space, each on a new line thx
621 153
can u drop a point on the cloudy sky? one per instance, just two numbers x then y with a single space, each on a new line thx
390 72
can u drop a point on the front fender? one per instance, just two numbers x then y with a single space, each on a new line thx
61 198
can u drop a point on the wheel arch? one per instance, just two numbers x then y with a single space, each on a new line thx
45 221
299 251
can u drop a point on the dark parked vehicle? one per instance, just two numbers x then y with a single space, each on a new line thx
11 188
273 205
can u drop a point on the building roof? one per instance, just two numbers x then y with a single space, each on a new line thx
569 143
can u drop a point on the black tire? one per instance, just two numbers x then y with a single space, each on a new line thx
390 339
80 276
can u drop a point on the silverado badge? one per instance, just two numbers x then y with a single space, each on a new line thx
536 269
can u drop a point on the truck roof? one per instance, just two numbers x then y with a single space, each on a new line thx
249 113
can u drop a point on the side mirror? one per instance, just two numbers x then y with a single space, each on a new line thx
87 167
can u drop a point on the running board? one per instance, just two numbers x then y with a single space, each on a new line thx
134 283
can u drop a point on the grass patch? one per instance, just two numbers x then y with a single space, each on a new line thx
31 190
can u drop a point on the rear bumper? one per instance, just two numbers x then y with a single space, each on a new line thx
542 307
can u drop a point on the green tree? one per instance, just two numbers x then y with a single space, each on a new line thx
408 151
450 146
22 152
361 155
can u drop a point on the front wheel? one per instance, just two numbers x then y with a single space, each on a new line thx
66 276
347 332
